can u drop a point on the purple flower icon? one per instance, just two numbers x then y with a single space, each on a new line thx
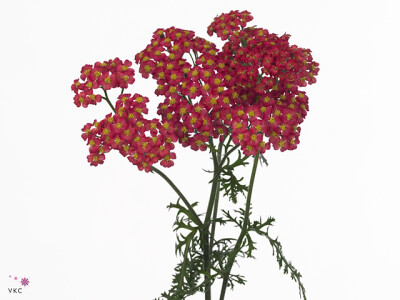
25 281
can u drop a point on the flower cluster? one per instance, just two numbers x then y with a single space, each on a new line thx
181 82
249 90
226 24
106 75
144 142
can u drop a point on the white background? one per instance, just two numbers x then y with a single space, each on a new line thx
80 232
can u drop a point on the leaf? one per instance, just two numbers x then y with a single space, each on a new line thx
263 160
183 210
283 262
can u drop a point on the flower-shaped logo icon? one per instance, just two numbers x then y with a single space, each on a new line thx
25 281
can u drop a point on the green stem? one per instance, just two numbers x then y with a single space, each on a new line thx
223 161
214 184
185 98
215 212
108 100
243 232
206 233
212 208
190 208
194 64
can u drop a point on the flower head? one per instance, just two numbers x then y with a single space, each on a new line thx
250 89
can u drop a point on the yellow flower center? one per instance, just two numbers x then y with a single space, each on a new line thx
147 68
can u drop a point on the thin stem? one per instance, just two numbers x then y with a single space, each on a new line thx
185 98
174 187
206 233
108 100
215 212
223 161
214 184
194 64
229 141
226 156
243 232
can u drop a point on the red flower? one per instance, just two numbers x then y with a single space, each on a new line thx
86 70
95 159
249 89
